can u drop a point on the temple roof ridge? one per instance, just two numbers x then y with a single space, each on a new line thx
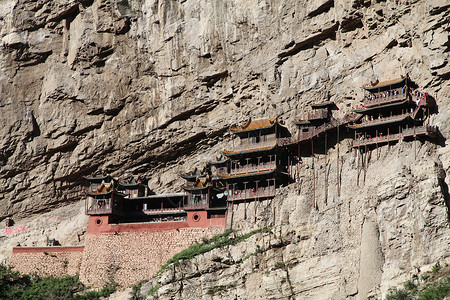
378 84
254 124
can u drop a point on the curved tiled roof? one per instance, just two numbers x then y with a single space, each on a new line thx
228 176
231 152
376 84
200 184
254 125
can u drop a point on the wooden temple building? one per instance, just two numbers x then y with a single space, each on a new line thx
262 159
391 112
256 164
203 194
128 200
102 196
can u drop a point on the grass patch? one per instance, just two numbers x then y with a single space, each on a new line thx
436 268
258 250
217 241
218 288
153 290
398 294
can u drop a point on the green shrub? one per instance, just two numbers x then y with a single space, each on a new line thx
23 287
398 294
280 265
410 285
153 290
436 268
425 277
218 288
438 290
217 241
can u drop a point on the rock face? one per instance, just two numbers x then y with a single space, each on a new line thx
355 246
150 87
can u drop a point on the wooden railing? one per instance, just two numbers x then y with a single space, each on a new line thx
162 210
251 168
252 193
421 100
198 205
99 207
307 136
318 114
419 130
385 97
382 120
246 146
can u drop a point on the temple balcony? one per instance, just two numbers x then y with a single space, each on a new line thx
408 132
196 206
305 136
244 147
380 121
318 114
263 192
253 168
385 97
164 210
98 207
424 101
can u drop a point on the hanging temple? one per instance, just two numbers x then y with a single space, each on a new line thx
262 159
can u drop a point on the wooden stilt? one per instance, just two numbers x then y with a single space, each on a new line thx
338 179
376 142
325 170
298 168
232 214
314 174
245 201
357 166
415 143
256 201
290 165
365 163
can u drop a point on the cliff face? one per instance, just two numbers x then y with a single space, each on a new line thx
376 235
150 87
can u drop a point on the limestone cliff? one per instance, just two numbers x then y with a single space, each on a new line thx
374 236
150 87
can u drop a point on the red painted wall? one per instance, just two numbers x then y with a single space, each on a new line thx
48 249
195 219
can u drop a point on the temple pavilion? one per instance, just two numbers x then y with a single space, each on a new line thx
203 193
392 111
102 196
128 199
256 165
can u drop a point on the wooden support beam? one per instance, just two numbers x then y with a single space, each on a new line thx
325 170
415 143
256 200
338 179
245 201
314 174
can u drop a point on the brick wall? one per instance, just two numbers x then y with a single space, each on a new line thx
137 255
45 261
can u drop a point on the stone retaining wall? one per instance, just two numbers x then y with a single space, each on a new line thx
45 261
134 256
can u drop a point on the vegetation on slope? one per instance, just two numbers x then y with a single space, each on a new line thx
14 285
433 285
220 240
